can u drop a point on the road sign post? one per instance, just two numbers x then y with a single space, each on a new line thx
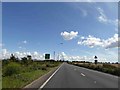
95 59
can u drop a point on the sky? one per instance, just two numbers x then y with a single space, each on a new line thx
73 30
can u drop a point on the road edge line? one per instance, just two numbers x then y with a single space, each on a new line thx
49 78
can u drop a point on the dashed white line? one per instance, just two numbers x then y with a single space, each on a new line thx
75 69
94 81
49 78
82 74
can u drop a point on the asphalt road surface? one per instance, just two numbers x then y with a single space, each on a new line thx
70 76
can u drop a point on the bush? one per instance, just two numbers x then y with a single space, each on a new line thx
99 68
47 65
108 66
117 71
43 67
86 65
11 68
51 65
5 62
91 66
35 66
108 70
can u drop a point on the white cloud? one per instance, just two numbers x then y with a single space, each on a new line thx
80 58
104 19
69 36
5 54
1 45
112 42
25 42
20 47
102 57
82 37
92 41
21 43
116 22
35 55
64 56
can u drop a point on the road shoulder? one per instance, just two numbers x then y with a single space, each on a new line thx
38 82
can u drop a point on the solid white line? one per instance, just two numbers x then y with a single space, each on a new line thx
50 78
82 74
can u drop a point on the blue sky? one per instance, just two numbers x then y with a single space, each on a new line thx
85 29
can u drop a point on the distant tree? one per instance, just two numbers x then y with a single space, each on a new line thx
67 61
29 58
5 62
13 58
82 61
24 61
116 63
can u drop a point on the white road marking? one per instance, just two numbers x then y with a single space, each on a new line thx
95 82
75 69
112 76
49 78
82 74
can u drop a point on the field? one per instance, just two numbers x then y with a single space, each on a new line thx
0 74
17 74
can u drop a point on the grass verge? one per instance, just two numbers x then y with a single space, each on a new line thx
106 68
20 80
26 74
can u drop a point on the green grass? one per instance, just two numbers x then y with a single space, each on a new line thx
20 80
17 75
0 81
0 74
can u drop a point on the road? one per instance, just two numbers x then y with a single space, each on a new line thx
70 76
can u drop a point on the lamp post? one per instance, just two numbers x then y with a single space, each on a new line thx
54 55
59 52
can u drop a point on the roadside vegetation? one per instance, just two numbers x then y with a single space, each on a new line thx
111 68
0 74
18 73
